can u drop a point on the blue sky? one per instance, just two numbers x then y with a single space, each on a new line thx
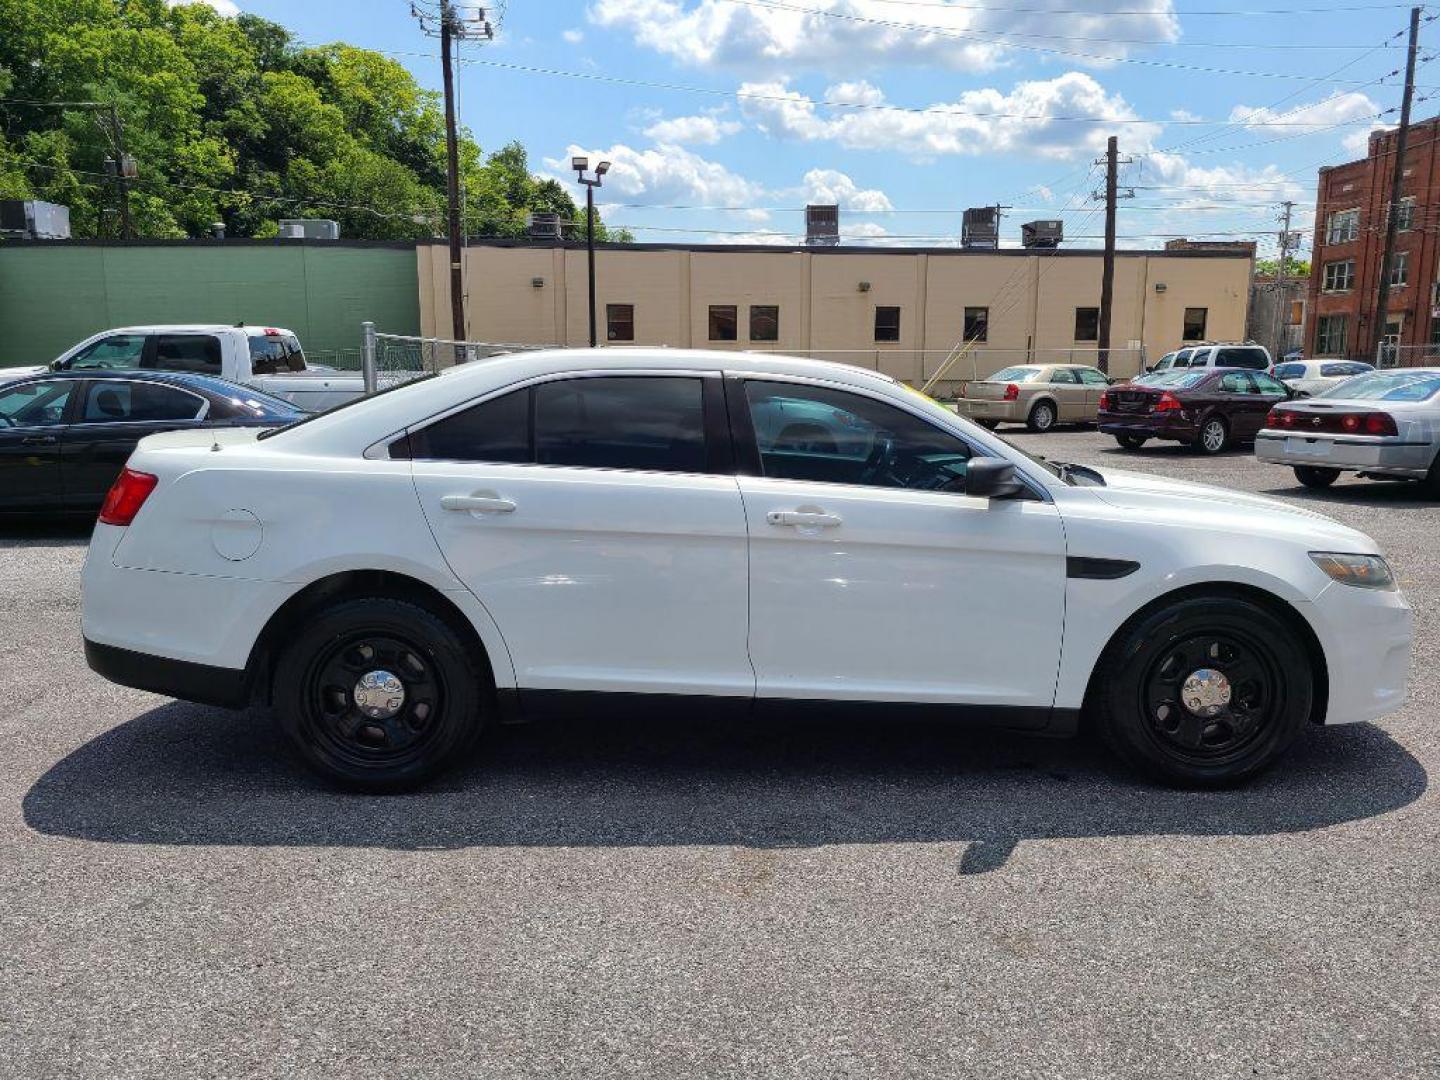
907 111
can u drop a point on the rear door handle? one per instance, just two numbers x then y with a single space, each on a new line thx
811 519
478 504
37 440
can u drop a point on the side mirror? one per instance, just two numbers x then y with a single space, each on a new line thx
991 478
1149 368
57 365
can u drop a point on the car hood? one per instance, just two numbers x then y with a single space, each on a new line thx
1158 495
6 374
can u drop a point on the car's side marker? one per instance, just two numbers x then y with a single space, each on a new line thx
1086 566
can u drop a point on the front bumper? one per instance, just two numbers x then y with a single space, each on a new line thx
1366 637
1354 453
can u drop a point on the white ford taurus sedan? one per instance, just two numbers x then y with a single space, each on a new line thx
719 530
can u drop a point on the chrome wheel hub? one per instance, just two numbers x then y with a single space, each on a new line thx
1206 692
379 695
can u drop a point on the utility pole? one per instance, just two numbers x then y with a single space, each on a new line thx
1397 173
123 167
1280 303
444 20
1107 274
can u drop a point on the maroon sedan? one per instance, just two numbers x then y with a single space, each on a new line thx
1208 409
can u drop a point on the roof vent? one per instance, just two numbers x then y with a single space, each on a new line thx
1042 234
822 224
981 228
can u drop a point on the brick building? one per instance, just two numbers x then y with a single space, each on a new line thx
1350 219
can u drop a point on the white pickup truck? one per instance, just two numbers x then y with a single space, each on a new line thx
267 358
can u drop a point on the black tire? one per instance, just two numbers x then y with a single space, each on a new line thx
1042 417
444 690
1431 484
1131 442
1206 441
1313 476
1144 674
988 425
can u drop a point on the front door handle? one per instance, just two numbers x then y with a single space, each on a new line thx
37 440
804 519
478 504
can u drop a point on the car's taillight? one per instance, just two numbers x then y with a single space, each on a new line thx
1377 423
1105 399
1280 418
1012 392
1168 403
127 495
1332 423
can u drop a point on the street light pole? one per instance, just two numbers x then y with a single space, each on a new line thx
580 165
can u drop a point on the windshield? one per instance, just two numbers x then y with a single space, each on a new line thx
1014 374
1387 386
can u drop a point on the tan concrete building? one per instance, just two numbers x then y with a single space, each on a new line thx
900 310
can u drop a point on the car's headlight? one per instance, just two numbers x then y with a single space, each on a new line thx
1362 571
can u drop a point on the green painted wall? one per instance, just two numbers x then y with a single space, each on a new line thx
53 295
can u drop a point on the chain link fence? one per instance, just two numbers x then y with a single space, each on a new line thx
1390 355
385 359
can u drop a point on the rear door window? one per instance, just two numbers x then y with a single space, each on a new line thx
1292 371
1063 375
1344 370
199 353
651 423
1254 359
1236 382
116 401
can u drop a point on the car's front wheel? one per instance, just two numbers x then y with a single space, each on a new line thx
379 694
1131 442
1313 476
1204 692
988 425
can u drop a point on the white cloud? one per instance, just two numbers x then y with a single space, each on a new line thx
1027 120
573 36
845 35
223 7
833 186
693 130
665 174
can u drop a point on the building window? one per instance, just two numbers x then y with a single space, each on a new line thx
1405 214
620 322
977 324
1330 335
1435 332
1194 329
1339 276
1342 227
723 319
1087 324
764 322
1400 270
887 323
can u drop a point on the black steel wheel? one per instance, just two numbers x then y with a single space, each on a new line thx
379 694
1205 692
1131 442
1042 417
1313 476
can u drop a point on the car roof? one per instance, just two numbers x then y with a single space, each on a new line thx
192 379
195 328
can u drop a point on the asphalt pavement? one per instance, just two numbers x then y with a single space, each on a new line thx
803 899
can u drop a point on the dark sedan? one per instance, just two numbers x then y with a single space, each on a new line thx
65 436
1207 409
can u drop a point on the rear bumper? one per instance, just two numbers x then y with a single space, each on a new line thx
979 409
226 687
1368 453
1148 425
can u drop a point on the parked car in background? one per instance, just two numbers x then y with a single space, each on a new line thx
1243 354
267 358
1310 377
583 528
1036 395
65 436
1382 424
1209 409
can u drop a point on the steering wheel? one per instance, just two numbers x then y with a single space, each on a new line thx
880 457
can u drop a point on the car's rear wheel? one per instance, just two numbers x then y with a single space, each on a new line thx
1431 482
1131 442
1042 417
1214 434
1205 692
1313 476
379 694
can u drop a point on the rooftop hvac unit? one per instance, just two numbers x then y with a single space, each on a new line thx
822 224
31 219
309 229
981 228
1042 234
544 225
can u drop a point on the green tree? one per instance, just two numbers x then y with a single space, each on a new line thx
230 120
1293 267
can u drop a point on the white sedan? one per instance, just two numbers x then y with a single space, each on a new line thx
1310 377
702 531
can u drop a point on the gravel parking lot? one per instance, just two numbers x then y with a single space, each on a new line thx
177 898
